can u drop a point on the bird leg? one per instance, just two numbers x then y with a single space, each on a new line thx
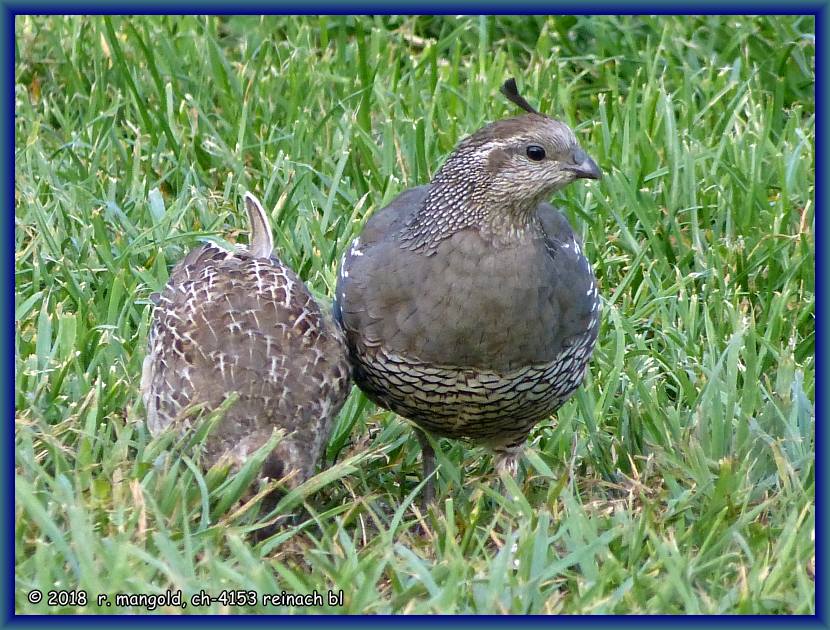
428 458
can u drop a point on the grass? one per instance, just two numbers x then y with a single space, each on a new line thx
680 479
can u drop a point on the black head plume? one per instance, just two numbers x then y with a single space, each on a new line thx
510 90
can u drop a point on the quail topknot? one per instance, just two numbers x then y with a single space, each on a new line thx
242 322
467 304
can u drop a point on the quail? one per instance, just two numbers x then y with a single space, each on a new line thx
467 304
241 322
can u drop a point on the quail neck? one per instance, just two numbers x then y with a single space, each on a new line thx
494 182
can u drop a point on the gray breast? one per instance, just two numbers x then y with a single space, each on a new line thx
470 342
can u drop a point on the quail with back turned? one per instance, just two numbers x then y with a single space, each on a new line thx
467 304
241 322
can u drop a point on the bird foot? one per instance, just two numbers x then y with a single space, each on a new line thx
507 461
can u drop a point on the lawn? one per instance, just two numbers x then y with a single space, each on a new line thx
679 479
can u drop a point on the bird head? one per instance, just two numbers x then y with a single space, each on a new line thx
496 178
526 158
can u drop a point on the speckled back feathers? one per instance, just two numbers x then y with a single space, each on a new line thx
230 321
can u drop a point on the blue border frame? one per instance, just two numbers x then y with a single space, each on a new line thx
7 343
820 310
476 7
8 12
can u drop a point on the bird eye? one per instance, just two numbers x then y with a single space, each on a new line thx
535 153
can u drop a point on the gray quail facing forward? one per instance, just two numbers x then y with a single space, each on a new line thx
467 304
243 322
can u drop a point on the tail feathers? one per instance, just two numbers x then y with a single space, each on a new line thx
261 241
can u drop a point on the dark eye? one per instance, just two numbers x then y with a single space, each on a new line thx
535 153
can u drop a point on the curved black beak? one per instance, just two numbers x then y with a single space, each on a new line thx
587 169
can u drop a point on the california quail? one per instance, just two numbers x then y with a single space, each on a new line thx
241 321
467 304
